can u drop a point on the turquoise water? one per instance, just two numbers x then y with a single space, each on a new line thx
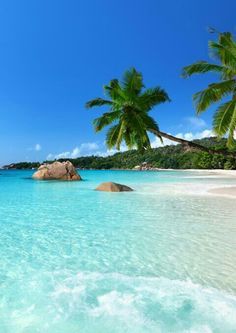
159 259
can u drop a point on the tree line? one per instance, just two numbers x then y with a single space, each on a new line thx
172 156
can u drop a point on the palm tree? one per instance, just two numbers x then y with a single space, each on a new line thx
129 104
224 52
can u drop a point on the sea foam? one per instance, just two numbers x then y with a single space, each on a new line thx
118 303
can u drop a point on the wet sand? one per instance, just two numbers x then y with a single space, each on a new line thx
225 191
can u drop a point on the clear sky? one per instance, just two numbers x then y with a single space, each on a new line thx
56 54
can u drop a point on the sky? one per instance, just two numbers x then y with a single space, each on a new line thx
55 55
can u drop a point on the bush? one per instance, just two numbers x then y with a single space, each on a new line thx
229 165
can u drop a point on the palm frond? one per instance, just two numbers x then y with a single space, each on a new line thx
226 39
223 54
129 139
224 50
201 67
152 97
222 118
114 91
135 123
232 127
97 102
151 125
212 94
132 81
112 136
142 142
105 120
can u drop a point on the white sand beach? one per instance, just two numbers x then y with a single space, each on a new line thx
215 182
218 172
225 190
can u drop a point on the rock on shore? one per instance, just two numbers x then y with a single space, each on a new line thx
57 171
113 187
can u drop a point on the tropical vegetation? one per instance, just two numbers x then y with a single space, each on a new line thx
224 53
127 117
173 156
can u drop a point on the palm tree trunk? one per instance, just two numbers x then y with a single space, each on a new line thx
193 145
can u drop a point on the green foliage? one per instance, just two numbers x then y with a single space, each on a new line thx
229 165
127 118
224 51
168 157
204 161
23 165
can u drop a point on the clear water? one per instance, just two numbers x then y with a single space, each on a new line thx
159 259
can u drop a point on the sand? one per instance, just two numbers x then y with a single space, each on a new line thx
224 191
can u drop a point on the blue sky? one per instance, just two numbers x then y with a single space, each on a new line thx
55 55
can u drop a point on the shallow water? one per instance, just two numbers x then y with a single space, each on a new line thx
159 259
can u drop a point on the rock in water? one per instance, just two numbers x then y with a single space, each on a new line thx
113 187
57 171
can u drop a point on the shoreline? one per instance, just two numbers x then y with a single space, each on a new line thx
223 171
225 190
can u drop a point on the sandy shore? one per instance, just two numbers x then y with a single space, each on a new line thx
197 182
205 172
217 172
225 188
224 191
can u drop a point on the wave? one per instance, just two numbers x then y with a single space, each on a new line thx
115 303
119 303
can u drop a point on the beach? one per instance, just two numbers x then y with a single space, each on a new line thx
225 190
118 167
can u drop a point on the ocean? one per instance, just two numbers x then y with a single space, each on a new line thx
75 260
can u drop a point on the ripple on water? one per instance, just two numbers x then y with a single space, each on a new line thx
159 238
95 302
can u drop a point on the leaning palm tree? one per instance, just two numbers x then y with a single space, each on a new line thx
224 52
128 116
